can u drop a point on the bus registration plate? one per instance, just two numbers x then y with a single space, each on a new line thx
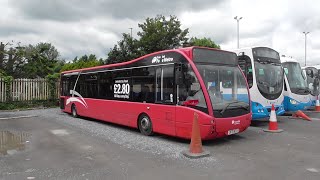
233 131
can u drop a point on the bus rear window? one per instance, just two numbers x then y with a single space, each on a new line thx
214 56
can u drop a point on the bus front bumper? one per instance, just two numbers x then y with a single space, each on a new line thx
259 111
293 105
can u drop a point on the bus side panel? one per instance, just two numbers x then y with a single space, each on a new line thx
110 111
162 117
67 107
127 113
184 120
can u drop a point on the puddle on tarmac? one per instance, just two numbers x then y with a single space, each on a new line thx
11 142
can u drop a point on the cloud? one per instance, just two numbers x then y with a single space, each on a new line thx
77 27
77 10
208 23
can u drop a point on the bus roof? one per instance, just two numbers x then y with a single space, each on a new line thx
314 66
250 48
287 59
187 51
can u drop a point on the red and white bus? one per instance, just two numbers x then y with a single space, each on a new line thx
160 92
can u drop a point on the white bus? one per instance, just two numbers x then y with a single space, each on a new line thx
312 78
264 73
296 91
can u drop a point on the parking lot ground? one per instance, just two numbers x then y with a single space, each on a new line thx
50 144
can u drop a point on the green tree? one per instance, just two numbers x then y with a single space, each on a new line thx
205 42
126 49
159 34
2 55
84 61
41 60
11 59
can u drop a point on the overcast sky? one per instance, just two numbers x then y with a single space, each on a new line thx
78 27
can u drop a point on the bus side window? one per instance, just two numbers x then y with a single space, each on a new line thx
105 85
65 86
91 83
143 84
121 87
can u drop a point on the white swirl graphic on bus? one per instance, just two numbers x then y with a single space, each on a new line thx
76 99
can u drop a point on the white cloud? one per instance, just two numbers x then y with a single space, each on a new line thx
78 27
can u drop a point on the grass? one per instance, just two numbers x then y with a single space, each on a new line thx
28 104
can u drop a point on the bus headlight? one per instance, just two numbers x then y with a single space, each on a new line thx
292 101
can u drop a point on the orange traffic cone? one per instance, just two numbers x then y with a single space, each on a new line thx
317 105
195 150
300 114
273 124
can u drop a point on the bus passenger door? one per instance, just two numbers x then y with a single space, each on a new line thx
163 114
246 67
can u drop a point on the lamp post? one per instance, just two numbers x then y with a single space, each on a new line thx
305 47
130 32
238 19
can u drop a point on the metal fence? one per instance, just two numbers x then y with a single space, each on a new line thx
27 90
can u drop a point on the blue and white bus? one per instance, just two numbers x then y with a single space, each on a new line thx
312 78
264 73
296 91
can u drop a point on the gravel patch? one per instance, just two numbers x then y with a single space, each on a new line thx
128 138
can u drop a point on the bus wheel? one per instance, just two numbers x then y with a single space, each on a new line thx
74 111
145 125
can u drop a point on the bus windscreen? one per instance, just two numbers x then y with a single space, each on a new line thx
265 52
214 56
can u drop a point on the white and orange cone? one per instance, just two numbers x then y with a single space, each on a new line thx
195 149
317 104
300 114
273 124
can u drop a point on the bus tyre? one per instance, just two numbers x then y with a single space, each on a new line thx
145 125
74 111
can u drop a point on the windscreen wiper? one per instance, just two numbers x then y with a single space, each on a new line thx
304 90
246 107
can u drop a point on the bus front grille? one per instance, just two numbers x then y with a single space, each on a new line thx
269 109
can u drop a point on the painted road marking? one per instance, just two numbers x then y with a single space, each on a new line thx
312 170
60 132
17 117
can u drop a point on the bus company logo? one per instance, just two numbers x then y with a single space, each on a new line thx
237 122
78 99
156 59
161 59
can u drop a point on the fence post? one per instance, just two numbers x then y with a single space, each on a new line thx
2 90
8 82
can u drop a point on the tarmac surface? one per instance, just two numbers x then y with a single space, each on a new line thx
50 144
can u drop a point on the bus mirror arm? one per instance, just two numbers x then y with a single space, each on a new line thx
241 55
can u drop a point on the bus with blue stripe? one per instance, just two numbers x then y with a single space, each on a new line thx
296 91
311 75
264 73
